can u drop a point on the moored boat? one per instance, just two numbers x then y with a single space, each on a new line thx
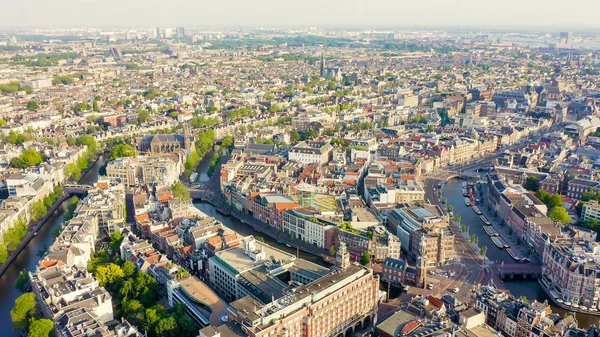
476 210
485 220
490 231
464 192
513 254
467 202
497 242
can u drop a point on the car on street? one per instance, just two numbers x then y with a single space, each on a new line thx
455 290
487 270
430 286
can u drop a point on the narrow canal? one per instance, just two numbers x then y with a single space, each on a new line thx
28 258
518 286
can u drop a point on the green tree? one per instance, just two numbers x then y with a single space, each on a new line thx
41 328
531 183
32 105
483 251
473 238
133 311
542 195
38 210
27 159
463 228
122 150
166 327
116 239
294 136
554 200
3 253
129 269
109 274
365 258
22 281
143 116
180 191
560 214
23 311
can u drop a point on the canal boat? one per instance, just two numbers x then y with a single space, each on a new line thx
506 245
464 192
490 231
223 211
476 210
485 220
467 202
513 254
497 242
193 177
464 184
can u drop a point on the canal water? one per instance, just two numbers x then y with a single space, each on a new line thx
245 230
203 166
28 258
518 286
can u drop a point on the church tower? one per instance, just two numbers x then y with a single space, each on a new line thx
342 257
187 137
322 73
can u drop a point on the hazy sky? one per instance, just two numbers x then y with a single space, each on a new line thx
202 13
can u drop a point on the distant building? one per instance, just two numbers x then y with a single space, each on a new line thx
311 152
167 143
565 40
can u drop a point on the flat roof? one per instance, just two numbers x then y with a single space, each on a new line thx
200 292
237 258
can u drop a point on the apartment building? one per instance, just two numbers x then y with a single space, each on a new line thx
570 271
591 210
124 169
106 201
375 240
60 289
310 225
311 152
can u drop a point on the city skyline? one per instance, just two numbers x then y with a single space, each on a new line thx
330 14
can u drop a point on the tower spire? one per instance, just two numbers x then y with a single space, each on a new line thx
322 73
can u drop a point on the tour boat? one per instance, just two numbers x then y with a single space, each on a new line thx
467 202
464 184
464 192
485 220
513 254
490 231
476 210
497 242
506 245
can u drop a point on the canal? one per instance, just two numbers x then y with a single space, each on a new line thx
28 258
518 286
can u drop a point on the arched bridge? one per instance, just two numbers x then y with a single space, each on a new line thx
512 269
76 189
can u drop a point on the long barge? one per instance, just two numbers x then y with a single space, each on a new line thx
497 242
513 254
490 231
485 220
476 210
